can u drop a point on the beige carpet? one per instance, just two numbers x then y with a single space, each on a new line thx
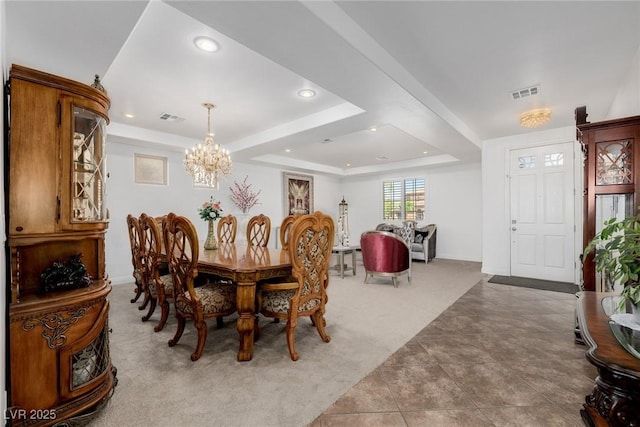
161 386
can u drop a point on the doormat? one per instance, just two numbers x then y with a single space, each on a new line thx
545 285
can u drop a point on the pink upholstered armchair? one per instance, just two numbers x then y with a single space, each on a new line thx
385 254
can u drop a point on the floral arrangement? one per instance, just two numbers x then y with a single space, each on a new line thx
243 196
210 210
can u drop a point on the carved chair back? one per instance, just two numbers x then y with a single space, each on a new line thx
285 228
227 228
182 250
310 245
133 226
159 283
258 230
151 247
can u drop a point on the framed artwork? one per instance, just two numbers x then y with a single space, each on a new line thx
298 194
150 169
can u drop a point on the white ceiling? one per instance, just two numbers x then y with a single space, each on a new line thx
432 77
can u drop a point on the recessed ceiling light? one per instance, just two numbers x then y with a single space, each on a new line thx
307 93
288 150
373 129
348 164
425 152
129 115
206 43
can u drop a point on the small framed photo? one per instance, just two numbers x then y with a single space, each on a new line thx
150 169
298 194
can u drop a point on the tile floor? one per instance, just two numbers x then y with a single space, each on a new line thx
499 356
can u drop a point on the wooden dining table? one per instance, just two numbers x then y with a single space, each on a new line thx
245 266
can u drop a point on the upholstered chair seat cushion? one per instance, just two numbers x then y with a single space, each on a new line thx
215 298
167 282
278 301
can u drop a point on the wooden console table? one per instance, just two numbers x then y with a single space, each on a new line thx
615 399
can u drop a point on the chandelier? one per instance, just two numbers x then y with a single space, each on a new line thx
535 118
206 163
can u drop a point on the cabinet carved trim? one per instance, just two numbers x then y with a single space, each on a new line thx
55 325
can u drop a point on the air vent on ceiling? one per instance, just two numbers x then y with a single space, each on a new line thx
525 92
171 118
382 158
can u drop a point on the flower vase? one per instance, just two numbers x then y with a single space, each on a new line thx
243 221
211 242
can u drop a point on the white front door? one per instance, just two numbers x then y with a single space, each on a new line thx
542 216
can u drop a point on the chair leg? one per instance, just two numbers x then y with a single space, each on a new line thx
181 322
201 326
147 297
291 340
163 316
152 308
219 322
138 292
320 322
394 279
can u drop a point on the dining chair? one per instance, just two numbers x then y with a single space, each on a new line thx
227 227
160 286
258 230
212 300
285 228
310 244
133 226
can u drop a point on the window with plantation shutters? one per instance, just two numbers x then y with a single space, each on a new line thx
391 200
403 199
414 199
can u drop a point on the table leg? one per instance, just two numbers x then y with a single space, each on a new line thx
245 301
342 264
353 261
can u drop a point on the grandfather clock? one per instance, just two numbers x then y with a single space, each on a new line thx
611 179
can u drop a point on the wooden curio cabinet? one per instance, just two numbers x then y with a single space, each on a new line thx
611 179
59 361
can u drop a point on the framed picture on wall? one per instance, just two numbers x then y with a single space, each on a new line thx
298 194
150 169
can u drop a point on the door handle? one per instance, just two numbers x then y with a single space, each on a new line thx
513 228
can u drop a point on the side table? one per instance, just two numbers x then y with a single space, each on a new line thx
341 251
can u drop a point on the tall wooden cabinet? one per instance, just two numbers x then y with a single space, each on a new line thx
611 178
59 361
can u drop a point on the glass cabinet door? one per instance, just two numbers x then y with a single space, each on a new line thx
88 166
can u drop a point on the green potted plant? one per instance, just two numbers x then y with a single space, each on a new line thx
617 255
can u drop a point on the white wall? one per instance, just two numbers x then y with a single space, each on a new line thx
454 204
627 100
124 196
495 186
